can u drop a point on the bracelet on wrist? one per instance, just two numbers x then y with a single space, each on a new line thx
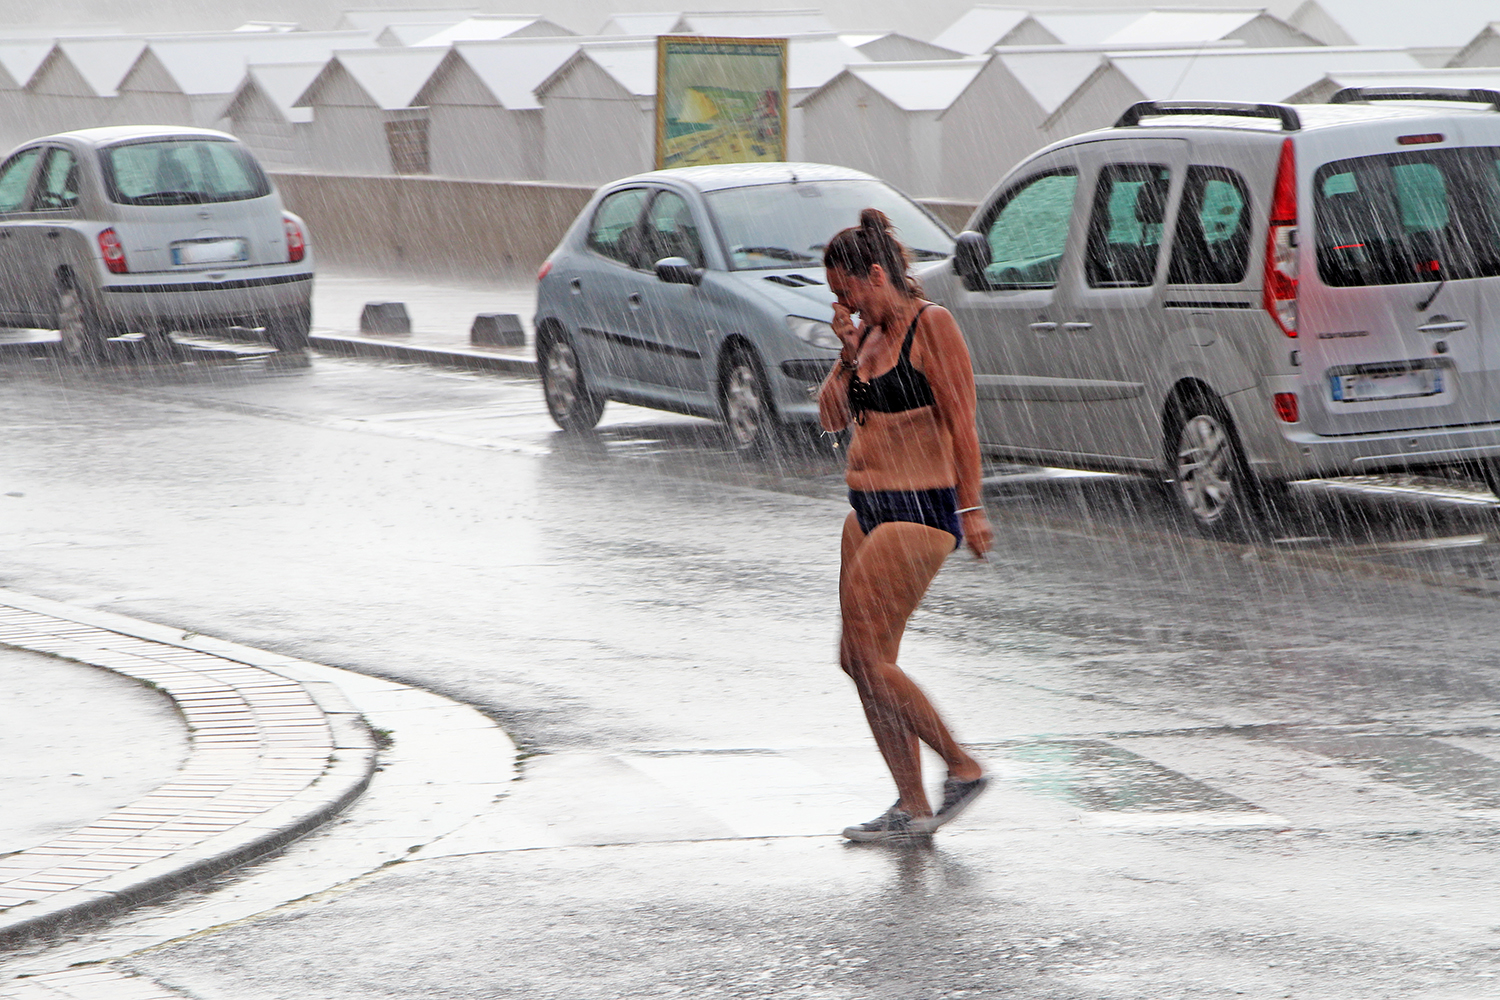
965 510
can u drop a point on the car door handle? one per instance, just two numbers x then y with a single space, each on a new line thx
576 285
1044 326
52 234
1078 326
634 298
1444 326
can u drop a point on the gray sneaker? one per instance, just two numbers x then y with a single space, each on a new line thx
957 795
893 824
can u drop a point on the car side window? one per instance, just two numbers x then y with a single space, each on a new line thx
616 229
1029 233
15 179
59 185
1126 227
1212 245
671 231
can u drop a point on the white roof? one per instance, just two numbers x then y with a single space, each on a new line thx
392 77
282 84
1233 74
813 60
1445 23
1483 77
928 85
643 24
409 34
102 62
1083 27
981 29
487 28
894 40
217 65
378 18
1050 77
513 70
22 58
752 23
632 64
1183 26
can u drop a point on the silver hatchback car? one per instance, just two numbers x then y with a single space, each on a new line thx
148 229
701 290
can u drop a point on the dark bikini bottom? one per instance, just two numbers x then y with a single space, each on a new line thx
934 508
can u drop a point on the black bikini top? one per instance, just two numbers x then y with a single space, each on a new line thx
898 390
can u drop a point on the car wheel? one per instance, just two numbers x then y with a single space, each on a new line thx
745 401
1211 480
574 407
1489 469
81 337
289 331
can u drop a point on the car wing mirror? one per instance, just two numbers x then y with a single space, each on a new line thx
677 271
971 256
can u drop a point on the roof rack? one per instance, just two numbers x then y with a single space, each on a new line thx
1466 95
1290 122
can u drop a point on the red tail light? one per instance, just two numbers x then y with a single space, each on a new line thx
296 244
1286 407
1280 296
113 251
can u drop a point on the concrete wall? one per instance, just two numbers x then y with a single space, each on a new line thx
437 226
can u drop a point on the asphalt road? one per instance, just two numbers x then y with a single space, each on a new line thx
1264 769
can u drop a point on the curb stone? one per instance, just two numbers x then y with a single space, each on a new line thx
271 758
352 344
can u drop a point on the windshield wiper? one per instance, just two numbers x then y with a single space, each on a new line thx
929 254
778 253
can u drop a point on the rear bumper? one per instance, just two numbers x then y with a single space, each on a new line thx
157 300
1313 454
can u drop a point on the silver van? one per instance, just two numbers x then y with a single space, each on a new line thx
1235 296
148 229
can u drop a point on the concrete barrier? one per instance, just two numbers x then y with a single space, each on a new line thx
435 226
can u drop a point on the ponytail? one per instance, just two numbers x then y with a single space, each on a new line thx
859 248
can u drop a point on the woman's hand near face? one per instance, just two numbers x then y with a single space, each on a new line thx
844 329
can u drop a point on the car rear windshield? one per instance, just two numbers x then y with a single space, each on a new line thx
787 225
1401 218
182 172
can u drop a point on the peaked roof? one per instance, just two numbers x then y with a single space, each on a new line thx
1185 26
281 84
1050 77
21 58
981 29
513 70
928 85
391 78
378 18
101 62
487 27
217 65
643 24
1484 77
813 60
1445 24
1236 74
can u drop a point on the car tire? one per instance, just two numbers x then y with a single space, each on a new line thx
573 405
1489 471
1211 481
77 326
745 401
289 331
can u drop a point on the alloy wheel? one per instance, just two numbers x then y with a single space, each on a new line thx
1205 467
744 404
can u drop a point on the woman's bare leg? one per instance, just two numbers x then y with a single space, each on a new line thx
883 578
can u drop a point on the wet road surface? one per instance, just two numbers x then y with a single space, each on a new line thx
1265 769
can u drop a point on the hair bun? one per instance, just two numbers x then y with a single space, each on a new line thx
874 220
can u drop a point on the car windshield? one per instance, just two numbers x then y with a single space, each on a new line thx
1399 218
182 172
781 225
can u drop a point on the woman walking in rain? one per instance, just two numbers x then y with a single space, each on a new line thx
905 383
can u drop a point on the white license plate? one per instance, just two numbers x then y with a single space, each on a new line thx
1360 387
209 251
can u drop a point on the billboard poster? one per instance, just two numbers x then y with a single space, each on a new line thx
719 100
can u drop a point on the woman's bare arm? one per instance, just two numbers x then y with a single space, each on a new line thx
833 397
944 359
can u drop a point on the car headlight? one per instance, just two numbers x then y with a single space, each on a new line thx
814 332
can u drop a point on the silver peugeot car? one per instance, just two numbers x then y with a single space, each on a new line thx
700 290
148 229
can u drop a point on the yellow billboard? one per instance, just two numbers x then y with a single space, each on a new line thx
719 100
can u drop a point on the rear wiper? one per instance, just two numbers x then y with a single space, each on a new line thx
778 253
1442 279
170 198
